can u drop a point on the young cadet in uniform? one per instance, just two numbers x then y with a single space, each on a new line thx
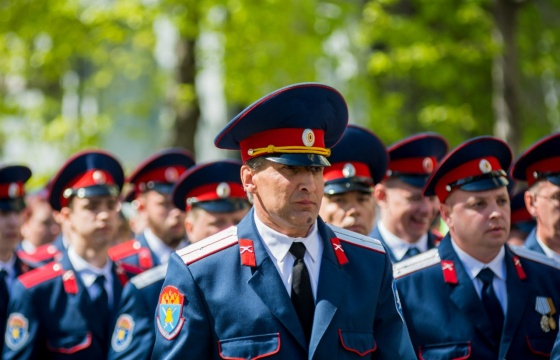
405 214
242 293
65 310
539 165
153 181
485 299
213 197
12 180
358 162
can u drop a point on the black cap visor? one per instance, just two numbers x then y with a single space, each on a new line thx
12 205
299 159
484 182
418 181
553 178
341 186
163 188
92 191
223 205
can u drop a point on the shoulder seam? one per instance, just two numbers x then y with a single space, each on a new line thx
126 249
149 277
357 239
209 246
534 256
415 263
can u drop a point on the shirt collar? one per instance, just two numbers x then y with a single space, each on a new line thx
162 251
398 246
548 251
9 266
473 266
86 271
279 244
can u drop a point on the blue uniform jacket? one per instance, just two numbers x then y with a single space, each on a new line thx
229 302
133 337
51 316
531 242
446 318
432 240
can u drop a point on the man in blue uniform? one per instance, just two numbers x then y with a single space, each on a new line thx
282 284
65 310
539 165
212 196
12 180
485 299
358 162
405 214
164 231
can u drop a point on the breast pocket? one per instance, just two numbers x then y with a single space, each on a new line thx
358 342
541 345
69 343
447 351
250 347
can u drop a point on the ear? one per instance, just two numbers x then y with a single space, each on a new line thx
530 204
445 214
380 194
247 178
188 225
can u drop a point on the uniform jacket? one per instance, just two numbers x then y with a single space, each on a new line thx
531 242
133 337
229 302
20 268
51 316
556 350
433 240
446 318
135 256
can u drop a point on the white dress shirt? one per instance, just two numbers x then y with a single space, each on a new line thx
278 245
498 267
398 246
548 251
162 251
88 273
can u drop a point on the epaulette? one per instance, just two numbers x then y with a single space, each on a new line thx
534 256
42 253
149 277
40 275
415 263
357 239
208 246
124 250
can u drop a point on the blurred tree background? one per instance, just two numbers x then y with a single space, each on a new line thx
133 76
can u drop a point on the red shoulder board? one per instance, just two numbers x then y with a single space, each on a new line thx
339 251
449 272
40 275
70 283
129 248
247 251
44 252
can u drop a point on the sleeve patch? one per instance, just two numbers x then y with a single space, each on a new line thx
122 335
17 331
169 317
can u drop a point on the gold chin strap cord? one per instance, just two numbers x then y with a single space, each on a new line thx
289 150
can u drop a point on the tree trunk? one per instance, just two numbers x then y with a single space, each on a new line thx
505 74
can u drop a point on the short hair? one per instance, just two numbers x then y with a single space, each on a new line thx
255 164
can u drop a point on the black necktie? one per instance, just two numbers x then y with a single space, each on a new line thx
302 295
101 301
491 302
4 294
412 251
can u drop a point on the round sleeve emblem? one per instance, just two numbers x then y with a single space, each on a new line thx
17 331
308 137
122 335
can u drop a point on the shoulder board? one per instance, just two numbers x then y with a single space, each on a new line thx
149 277
415 263
357 239
125 249
209 246
534 256
44 252
40 275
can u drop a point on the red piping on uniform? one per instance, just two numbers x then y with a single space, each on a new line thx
74 349
535 351
275 351
354 350
362 246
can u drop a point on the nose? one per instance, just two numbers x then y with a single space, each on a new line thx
307 181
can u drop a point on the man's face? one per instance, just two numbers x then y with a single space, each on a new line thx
404 210
479 221
92 220
40 227
286 198
10 225
543 202
201 224
162 217
352 210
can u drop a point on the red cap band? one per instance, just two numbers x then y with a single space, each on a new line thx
414 165
217 191
12 190
168 174
549 165
343 170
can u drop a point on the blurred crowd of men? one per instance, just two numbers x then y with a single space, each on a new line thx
100 264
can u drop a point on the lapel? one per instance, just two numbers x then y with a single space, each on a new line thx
377 235
463 294
330 290
518 295
267 284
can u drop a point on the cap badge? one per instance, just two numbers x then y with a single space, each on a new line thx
171 174
348 170
485 166
428 165
99 177
13 190
223 190
308 137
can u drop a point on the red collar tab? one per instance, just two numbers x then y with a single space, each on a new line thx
247 252
339 251
11 190
215 191
413 165
284 139
345 170
145 258
548 166
471 168
121 275
70 282
449 273
519 268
